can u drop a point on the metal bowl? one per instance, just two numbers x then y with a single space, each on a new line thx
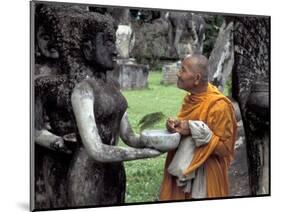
161 140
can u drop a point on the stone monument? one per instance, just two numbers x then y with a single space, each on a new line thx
130 75
222 57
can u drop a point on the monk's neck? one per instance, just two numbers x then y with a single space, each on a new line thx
200 89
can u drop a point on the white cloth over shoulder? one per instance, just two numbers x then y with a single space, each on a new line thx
195 182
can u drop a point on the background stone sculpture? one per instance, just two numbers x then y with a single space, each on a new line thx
222 57
240 60
186 33
124 41
250 87
51 164
151 37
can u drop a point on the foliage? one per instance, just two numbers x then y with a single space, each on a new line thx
213 24
228 87
149 120
144 176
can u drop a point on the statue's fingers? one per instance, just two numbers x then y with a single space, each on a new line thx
66 150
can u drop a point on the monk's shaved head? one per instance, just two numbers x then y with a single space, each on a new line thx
198 63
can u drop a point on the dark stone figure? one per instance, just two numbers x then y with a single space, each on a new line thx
145 16
188 26
120 15
80 110
51 160
250 87
151 37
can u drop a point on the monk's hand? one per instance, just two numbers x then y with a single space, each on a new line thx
182 127
170 125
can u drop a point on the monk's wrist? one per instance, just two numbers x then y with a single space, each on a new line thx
185 127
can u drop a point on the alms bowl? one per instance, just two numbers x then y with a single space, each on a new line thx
161 140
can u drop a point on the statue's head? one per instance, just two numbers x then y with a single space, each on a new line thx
45 33
98 45
46 43
77 36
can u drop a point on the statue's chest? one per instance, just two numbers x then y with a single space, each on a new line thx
109 103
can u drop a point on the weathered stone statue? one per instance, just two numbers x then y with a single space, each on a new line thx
151 37
82 104
51 160
186 33
250 87
120 15
222 57
125 41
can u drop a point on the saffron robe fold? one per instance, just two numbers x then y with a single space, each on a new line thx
215 110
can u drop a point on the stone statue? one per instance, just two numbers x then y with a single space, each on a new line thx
188 26
82 103
50 160
250 87
120 15
145 16
222 57
125 41
151 37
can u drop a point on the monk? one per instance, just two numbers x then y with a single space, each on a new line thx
204 103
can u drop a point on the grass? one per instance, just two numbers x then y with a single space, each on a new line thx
144 176
156 98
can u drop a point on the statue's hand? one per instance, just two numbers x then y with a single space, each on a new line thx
151 152
59 145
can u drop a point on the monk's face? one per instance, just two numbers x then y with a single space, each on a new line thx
186 76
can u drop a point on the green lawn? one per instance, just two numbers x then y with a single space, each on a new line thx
144 176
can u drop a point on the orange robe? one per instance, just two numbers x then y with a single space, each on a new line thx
215 110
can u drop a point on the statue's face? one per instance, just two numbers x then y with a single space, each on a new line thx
105 51
46 43
101 51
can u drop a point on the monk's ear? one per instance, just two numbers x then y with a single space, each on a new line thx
197 79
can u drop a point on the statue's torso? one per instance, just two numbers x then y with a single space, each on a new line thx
109 107
87 182
104 183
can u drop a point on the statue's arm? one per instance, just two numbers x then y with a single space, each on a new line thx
42 135
82 100
127 134
46 139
